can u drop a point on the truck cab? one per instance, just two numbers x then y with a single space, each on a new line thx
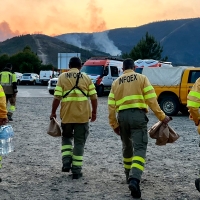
103 71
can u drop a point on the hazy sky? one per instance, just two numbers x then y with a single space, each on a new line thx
54 17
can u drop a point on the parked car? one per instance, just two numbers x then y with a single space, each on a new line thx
51 85
46 75
19 76
30 78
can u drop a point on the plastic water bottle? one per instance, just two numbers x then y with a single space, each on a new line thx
6 140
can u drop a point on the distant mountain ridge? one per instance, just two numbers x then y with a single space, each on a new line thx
180 39
46 47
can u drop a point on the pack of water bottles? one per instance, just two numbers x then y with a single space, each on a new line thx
6 139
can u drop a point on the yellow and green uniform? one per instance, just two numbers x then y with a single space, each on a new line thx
130 96
75 113
3 111
8 81
193 102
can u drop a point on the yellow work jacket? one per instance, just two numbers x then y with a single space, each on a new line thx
193 101
6 80
3 111
75 107
132 90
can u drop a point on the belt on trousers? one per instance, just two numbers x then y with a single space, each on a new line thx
133 109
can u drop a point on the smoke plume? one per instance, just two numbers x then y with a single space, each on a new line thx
6 32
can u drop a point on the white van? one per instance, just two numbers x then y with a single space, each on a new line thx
46 75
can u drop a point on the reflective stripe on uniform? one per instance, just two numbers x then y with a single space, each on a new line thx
138 162
136 165
92 92
74 99
66 147
127 159
67 153
193 104
127 166
75 91
77 160
12 108
128 98
111 102
91 86
194 94
133 105
57 93
2 94
111 95
76 163
78 157
138 158
127 163
66 150
149 96
148 88
0 161
58 88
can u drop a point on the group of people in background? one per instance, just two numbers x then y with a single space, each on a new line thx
128 104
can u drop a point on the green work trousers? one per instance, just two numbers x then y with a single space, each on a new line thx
72 155
12 100
133 131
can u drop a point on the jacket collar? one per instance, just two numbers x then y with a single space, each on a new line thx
73 70
128 71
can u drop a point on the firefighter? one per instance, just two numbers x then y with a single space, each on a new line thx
8 81
72 90
3 114
193 104
130 96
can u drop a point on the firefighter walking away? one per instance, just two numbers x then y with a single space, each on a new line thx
8 81
72 90
130 96
193 104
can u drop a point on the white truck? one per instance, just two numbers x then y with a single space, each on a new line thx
63 66
46 75
103 71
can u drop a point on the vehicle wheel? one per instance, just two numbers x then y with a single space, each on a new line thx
170 105
51 92
34 83
184 110
18 82
100 91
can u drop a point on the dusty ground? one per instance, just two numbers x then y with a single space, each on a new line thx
33 171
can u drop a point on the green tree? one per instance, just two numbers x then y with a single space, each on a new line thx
147 48
26 61
3 60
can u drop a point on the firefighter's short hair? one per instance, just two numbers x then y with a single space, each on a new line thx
128 63
75 62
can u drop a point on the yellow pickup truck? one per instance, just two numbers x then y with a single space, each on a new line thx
172 85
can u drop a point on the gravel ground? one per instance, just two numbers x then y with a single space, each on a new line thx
33 170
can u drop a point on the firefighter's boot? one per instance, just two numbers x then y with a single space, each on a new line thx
77 176
10 117
135 188
197 184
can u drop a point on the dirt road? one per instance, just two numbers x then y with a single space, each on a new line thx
33 171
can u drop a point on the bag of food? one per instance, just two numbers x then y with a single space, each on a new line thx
54 128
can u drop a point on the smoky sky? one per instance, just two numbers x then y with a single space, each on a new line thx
54 17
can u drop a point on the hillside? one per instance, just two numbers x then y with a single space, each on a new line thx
46 47
180 39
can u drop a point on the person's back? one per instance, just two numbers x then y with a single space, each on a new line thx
75 103
130 96
73 89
